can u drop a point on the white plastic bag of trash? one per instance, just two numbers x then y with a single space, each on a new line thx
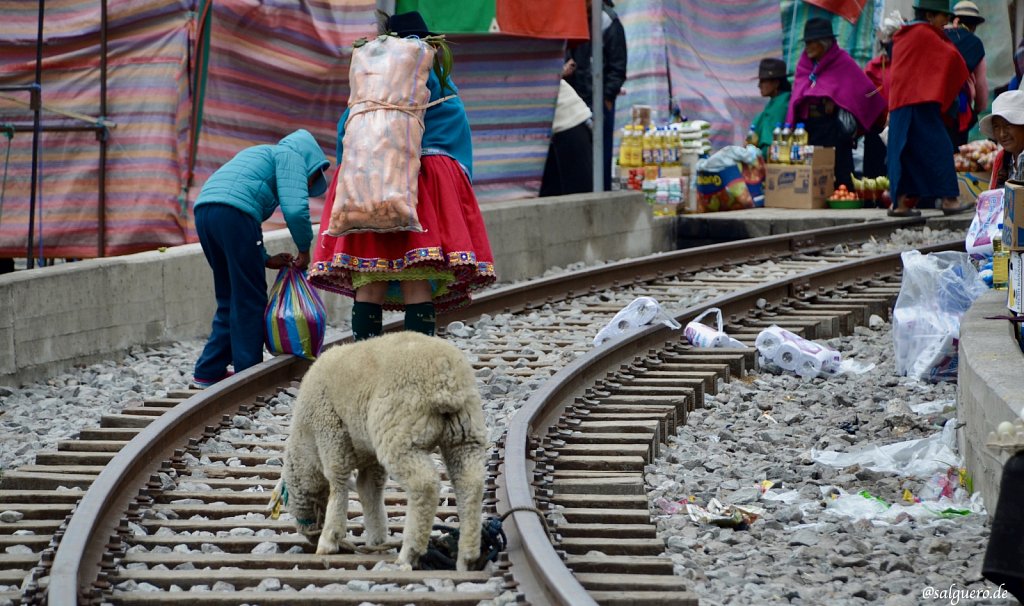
702 335
922 457
640 312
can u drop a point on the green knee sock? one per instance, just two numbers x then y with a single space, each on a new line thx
419 317
367 319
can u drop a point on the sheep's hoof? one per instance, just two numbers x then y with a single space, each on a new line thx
405 566
326 546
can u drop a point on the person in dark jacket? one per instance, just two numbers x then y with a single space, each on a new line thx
234 201
577 66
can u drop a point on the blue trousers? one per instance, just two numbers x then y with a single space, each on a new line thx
232 243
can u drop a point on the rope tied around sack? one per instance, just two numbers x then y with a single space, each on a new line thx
374 105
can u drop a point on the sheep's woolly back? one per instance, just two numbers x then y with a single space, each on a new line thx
395 379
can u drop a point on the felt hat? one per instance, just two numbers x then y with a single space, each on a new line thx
935 6
968 12
1009 106
818 29
409 24
771 69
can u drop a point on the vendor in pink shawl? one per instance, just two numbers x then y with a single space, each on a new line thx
832 97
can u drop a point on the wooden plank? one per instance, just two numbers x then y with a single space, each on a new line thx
620 564
648 547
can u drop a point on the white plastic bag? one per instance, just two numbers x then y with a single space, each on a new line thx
935 292
987 217
702 335
640 312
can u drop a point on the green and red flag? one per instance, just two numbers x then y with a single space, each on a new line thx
532 18
847 9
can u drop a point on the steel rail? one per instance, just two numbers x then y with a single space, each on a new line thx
517 297
78 557
553 583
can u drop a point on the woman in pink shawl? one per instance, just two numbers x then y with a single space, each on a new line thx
832 97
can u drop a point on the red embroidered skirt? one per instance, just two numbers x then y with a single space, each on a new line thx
453 252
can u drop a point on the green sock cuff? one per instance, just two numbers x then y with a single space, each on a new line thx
419 317
367 320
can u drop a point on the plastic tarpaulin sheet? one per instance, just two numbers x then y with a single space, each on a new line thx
147 100
702 56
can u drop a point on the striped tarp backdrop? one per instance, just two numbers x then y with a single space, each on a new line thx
147 101
270 67
700 55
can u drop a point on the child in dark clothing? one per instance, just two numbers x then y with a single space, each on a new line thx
233 203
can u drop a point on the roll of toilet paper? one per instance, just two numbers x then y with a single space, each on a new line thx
702 335
787 356
810 365
768 341
833 362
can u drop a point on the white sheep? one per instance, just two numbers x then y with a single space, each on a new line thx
380 407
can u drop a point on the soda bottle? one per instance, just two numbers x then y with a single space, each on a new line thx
752 136
785 143
796 152
773 151
1000 261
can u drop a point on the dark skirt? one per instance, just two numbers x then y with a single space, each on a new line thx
920 154
569 168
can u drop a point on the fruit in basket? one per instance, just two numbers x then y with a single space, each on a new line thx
841 193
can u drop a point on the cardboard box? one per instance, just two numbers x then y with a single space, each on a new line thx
971 185
801 185
1013 215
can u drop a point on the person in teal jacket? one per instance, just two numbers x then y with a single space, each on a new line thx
229 211
772 80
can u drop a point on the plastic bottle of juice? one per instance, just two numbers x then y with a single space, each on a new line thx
796 152
658 147
1000 261
751 136
627 134
670 141
773 151
645 149
785 143
636 147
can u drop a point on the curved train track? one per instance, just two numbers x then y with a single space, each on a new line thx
165 503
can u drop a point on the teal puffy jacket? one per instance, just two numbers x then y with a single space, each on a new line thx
261 178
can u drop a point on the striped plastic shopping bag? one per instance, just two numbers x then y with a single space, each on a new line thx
296 319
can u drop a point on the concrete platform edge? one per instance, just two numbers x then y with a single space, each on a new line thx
54 318
988 393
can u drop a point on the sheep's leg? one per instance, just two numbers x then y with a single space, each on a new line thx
466 464
335 518
414 470
370 485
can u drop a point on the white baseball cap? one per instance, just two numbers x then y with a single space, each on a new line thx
1009 106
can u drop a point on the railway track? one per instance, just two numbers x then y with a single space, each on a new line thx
164 503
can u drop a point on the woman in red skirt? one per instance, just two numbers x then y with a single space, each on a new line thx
420 272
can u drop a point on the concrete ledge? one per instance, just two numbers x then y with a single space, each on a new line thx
711 228
53 318
989 389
